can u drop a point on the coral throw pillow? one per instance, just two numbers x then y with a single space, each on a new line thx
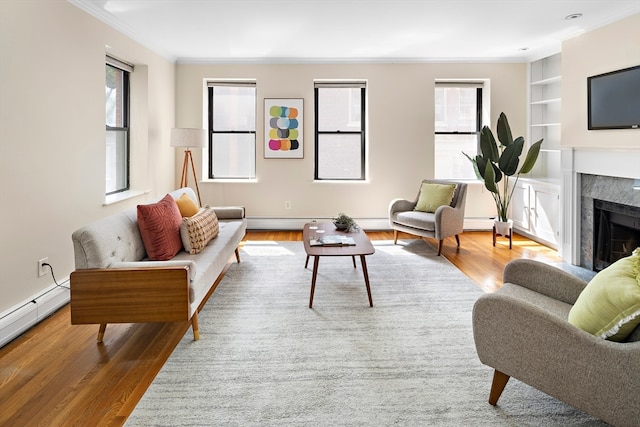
159 225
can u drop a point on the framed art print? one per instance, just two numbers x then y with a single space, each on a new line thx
283 128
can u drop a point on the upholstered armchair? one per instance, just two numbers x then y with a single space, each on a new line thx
523 331
441 219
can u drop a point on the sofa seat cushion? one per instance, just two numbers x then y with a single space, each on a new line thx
416 219
609 307
213 258
159 225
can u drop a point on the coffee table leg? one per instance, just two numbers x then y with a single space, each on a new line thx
313 279
366 278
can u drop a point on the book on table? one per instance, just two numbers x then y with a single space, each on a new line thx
332 241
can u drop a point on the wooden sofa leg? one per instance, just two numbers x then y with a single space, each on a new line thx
195 327
238 255
440 246
103 327
458 240
395 237
497 386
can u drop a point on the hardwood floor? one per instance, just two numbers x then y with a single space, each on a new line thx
56 374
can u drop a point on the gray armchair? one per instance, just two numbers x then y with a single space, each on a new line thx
522 331
445 222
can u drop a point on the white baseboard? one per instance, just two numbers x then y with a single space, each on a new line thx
24 316
263 223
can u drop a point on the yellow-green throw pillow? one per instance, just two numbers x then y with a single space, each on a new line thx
432 196
609 307
187 206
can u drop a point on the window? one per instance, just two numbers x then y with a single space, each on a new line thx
117 125
232 130
458 121
340 131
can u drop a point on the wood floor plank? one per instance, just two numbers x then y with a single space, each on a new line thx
56 374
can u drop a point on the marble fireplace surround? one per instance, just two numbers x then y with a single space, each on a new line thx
590 174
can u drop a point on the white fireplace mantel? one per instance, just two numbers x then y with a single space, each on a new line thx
620 163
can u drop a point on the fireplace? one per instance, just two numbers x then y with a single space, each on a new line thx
610 220
616 232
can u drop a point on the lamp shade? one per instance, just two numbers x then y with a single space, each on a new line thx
186 137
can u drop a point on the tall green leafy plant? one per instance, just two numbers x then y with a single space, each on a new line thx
501 161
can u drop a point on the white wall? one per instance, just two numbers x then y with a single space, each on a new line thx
605 49
400 134
52 152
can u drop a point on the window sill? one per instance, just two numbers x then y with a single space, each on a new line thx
125 195
229 180
341 181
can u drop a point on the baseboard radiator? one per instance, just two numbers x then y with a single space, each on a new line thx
24 316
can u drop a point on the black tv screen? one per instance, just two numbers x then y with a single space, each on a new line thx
614 99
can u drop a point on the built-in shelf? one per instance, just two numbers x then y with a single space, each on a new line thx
535 202
546 101
538 125
546 81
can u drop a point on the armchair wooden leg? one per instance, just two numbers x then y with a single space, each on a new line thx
395 237
440 246
458 240
103 327
497 386
238 255
195 327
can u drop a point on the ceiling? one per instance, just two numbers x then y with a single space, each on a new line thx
231 31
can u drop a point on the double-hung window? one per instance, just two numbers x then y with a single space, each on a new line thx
117 125
340 144
458 121
232 130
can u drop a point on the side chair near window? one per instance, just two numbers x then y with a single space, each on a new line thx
437 211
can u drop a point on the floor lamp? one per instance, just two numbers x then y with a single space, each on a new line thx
188 138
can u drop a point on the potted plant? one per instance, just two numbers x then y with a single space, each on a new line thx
344 222
498 162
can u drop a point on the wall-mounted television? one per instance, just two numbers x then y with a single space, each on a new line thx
614 99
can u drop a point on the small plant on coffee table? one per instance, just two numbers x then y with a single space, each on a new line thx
344 222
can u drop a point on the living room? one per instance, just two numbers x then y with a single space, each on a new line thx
52 137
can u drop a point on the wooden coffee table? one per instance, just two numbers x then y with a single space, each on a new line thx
362 248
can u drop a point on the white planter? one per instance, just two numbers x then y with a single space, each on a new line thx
503 228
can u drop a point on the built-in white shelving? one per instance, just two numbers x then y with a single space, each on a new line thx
535 203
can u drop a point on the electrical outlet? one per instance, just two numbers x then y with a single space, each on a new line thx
43 269
287 204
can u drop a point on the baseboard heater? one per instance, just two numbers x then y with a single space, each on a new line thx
28 314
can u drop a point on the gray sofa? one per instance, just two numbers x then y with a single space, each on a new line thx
115 283
522 331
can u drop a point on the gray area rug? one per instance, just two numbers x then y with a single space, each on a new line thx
265 359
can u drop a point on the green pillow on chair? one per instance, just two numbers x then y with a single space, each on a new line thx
609 307
432 196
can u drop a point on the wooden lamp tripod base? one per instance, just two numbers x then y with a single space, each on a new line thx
188 159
